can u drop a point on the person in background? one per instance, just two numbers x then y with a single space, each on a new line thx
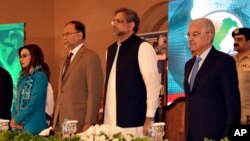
80 81
132 84
212 96
242 46
49 108
28 112
6 94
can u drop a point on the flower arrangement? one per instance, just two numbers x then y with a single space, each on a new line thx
94 133
225 139
9 135
107 133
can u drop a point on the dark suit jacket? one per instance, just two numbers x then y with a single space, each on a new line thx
6 94
214 103
79 94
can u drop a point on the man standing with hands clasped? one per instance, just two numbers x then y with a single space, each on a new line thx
80 83
211 86
132 84
242 46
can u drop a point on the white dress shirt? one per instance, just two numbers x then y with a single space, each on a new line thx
203 56
74 51
148 66
49 100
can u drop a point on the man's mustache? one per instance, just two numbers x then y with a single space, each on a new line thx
236 45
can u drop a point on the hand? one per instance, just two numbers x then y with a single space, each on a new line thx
100 118
13 124
86 127
146 125
19 126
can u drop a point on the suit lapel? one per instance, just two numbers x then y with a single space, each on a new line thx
188 71
74 62
204 67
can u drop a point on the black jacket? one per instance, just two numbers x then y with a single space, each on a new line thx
6 94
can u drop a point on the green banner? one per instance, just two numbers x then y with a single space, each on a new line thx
11 38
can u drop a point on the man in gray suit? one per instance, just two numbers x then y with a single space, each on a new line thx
80 81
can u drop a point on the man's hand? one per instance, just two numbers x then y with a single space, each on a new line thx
146 125
100 116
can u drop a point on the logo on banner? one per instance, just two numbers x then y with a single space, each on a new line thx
224 23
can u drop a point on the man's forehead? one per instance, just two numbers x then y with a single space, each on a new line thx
240 36
69 27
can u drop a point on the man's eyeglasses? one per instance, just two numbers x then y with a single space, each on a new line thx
69 33
23 56
117 21
195 34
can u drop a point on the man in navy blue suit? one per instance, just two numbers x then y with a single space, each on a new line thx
212 96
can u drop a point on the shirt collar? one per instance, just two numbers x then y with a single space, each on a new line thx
205 53
75 50
127 41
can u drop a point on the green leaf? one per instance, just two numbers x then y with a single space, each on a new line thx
23 136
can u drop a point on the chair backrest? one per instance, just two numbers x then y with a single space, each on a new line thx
174 116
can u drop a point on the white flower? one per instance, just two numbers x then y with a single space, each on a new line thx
128 137
100 138
105 133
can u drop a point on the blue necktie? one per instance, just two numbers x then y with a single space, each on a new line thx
194 72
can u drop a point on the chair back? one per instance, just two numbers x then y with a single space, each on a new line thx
174 116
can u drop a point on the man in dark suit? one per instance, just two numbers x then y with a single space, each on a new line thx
6 94
212 96
80 81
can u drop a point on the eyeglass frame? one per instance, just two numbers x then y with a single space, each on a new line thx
117 21
69 33
195 34
24 56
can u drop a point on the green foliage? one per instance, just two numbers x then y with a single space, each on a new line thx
141 139
22 136
225 139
